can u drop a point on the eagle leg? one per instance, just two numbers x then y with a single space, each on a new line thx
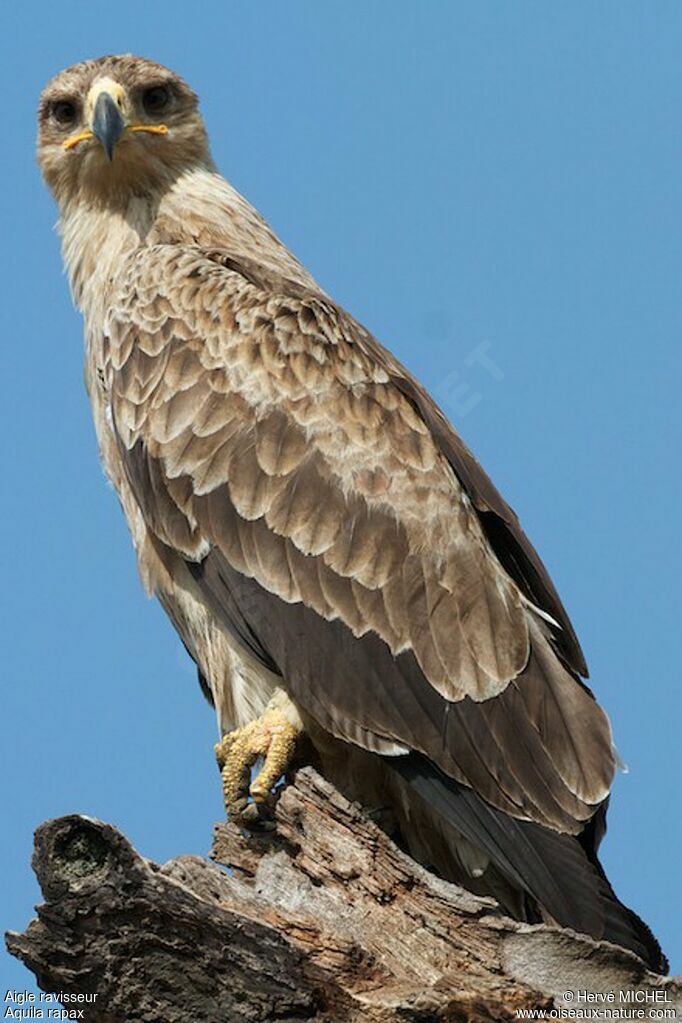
274 736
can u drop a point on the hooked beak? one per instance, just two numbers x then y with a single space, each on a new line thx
107 122
106 108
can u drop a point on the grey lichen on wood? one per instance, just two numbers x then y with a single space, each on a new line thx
324 919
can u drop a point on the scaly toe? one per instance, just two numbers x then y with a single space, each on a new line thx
283 737
222 748
271 736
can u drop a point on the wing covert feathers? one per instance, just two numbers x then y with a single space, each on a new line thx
280 403
336 523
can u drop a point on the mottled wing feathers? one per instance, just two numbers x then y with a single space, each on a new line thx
269 438
272 431
500 523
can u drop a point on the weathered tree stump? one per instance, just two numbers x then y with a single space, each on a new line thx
324 919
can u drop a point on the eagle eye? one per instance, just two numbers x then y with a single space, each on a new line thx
64 112
156 99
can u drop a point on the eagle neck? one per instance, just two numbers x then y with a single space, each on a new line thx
95 240
202 208
199 208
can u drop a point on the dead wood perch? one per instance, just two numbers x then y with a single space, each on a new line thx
325 920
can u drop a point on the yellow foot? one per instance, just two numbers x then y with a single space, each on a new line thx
273 736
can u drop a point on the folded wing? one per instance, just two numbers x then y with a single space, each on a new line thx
339 527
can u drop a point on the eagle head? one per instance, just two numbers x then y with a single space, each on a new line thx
116 127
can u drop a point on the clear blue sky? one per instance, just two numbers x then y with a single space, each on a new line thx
495 189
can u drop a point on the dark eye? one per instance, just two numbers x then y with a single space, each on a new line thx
155 100
64 112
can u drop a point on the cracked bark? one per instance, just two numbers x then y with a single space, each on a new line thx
322 920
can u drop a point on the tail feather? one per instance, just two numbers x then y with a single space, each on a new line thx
561 874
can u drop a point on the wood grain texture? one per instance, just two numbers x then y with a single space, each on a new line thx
325 921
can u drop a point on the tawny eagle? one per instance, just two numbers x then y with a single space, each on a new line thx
334 558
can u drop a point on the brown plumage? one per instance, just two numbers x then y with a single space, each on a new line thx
312 523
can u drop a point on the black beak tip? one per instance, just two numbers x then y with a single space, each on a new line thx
107 123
